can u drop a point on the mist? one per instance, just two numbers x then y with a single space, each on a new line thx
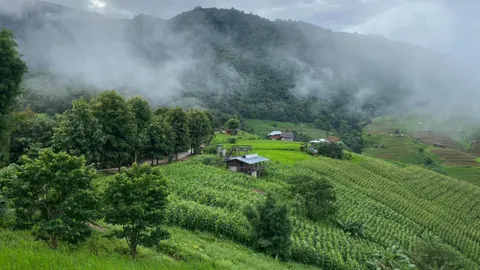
109 53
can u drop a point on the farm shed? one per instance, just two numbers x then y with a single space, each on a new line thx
288 136
275 135
249 164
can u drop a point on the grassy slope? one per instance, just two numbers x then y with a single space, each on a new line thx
263 127
184 250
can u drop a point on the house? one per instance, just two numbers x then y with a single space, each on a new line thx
251 164
288 136
333 139
275 135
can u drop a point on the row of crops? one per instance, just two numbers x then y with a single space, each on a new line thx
397 206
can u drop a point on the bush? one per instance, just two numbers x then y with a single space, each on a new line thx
232 140
211 150
421 150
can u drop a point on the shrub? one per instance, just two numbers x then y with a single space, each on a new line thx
232 140
331 150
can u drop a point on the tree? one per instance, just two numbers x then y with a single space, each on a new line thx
331 150
233 124
143 117
318 124
160 139
318 196
12 69
270 228
80 133
136 200
118 125
432 254
178 120
200 128
54 193
30 131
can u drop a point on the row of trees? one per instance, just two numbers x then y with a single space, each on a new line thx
109 130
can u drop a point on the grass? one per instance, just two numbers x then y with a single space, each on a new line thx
477 159
184 250
263 127
468 174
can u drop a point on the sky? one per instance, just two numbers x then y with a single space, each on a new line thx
448 26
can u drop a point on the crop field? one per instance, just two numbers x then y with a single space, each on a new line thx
263 127
397 205
469 174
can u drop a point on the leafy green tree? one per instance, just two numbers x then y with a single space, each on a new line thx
30 131
178 120
160 139
136 200
143 117
118 125
318 124
331 150
161 112
233 124
54 193
200 128
318 196
80 133
432 254
12 69
271 228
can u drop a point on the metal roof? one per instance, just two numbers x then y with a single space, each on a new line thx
251 160
275 133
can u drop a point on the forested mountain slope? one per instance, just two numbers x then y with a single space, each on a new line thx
235 62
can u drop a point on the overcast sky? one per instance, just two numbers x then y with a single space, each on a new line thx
446 25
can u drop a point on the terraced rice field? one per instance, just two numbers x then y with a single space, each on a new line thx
454 157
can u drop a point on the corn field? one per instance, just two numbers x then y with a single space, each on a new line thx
396 205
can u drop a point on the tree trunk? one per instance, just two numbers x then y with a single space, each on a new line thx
134 251
176 156
157 161
108 166
151 163
54 241
136 156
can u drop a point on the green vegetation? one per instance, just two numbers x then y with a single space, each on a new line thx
135 200
468 174
12 69
184 250
263 127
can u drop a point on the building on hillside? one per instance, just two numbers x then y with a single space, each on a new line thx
288 136
275 135
251 164
333 139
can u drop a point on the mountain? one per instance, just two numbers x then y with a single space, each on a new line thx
235 62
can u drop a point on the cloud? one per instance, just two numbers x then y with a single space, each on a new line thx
15 7
425 23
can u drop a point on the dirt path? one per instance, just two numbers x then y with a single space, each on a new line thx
181 157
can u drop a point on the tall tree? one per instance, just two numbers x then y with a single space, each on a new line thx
136 200
118 125
200 128
12 69
79 132
271 227
233 124
178 120
30 131
143 117
54 193
160 139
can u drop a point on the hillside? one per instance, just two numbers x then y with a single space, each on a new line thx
397 205
235 62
